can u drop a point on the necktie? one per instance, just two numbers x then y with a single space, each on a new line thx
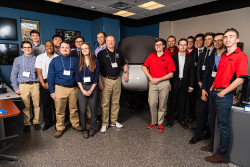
199 52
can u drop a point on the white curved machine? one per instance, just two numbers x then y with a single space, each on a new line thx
135 50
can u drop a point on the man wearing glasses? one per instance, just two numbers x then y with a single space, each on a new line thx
25 82
161 70
78 43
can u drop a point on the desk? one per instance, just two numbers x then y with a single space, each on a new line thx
12 110
9 95
239 149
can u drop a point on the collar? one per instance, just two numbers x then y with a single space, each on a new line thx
176 49
181 55
52 56
33 45
104 47
237 50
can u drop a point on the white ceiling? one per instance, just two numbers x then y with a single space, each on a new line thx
103 6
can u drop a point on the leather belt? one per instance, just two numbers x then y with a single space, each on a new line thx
180 79
67 86
29 83
113 78
217 89
86 83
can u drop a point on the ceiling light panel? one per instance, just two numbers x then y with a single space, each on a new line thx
123 13
55 1
151 5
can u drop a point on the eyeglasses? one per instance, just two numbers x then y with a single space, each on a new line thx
26 47
219 40
78 41
157 45
85 48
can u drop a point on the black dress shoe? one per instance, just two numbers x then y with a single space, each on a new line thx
193 129
206 136
183 124
37 127
26 128
47 126
194 140
170 123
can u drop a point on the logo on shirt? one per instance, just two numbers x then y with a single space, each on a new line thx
230 60
163 60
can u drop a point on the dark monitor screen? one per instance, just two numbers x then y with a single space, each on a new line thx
8 52
246 90
8 29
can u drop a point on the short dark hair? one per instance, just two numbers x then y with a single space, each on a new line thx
191 37
101 32
217 34
80 37
200 35
57 35
25 42
66 42
160 39
182 39
34 32
209 34
234 30
51 42
171 36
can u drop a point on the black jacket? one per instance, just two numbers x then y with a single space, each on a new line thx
188 72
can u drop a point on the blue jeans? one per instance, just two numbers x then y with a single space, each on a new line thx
222 106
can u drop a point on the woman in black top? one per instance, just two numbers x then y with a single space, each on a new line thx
87 77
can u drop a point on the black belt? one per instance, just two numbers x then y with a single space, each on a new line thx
67 86
180 79
29 83
86 83
113 78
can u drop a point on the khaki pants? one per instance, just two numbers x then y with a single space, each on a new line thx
111 91
158 91
64 94
32 90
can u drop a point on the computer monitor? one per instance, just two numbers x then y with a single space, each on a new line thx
246 91
8 29
8 52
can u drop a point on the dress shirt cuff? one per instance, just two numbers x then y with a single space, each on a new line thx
16 88
52 91
191 88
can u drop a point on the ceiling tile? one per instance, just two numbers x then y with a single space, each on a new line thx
167 2
199 2
104 2
180 5
137 16
165 9
109 10
93 6
76 3
149 13
136 9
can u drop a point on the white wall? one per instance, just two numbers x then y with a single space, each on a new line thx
219 22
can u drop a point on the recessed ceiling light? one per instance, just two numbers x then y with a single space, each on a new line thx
151 5
55 1
123 13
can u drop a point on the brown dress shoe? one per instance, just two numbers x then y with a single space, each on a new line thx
208 148
37 127
216 158
58 133
85 135
78 128
91 133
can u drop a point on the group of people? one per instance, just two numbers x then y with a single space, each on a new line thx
61 78
213 71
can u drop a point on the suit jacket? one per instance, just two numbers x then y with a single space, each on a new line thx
188 72
200 72
74 53
208 80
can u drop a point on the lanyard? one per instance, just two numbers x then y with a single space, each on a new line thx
109 56
69 63
205 57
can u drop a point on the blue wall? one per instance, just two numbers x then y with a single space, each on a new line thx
150 30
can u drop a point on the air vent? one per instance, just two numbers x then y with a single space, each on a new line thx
121 5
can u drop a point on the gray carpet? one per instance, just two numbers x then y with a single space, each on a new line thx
134 145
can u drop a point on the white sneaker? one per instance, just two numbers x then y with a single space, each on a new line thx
117 124
104 129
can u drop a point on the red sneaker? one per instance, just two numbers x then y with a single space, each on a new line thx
160 128
150 126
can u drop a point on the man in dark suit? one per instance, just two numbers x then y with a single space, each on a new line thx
208 80
201 124
199 40
78 43
181 83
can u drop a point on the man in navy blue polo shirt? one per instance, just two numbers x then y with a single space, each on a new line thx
62 87
232 69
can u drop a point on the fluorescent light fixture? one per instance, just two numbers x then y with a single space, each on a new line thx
55 1
123 13
151 5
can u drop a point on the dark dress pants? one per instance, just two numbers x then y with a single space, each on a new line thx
83 108
178 102
48 106
192 102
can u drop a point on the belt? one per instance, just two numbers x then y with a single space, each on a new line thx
180 79
113 78
67 86
29 83
86 83
217 89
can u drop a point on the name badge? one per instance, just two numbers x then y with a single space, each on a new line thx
195 64
26 74
203 68
114 65
66 72
213 74
86 79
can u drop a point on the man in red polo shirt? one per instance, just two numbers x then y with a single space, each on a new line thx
232 69
161 70
171 41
